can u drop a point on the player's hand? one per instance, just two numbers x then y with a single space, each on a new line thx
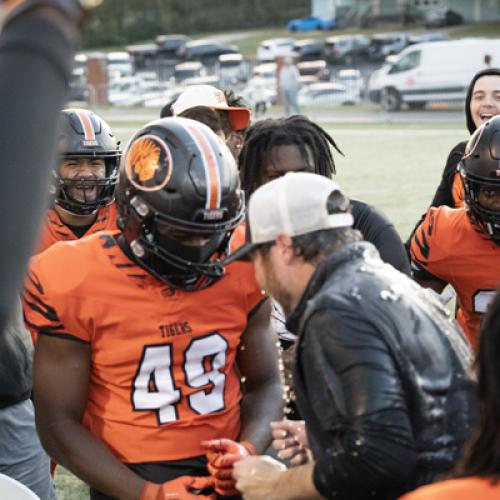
222 454
182 488
259 477
290 440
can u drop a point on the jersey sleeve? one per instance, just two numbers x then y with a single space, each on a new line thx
457 191
42 310
378 230
428 246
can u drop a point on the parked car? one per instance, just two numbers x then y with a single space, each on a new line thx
386 44
78 90
125 91
169 45
205 51
352 80
326 94
188 70
318 69
80 61
431 72
144 56
269 50
120 62
442 17
309 49
427 37
202 80
310 23
258 91
346 48
306 80
266 70
231 69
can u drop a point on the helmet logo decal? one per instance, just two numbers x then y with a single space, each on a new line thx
148 163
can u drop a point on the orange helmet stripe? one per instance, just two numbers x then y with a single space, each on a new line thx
211 169
88 128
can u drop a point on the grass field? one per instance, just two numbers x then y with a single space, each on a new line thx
395 167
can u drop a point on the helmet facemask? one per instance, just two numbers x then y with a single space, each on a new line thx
161 250
485 219
104 190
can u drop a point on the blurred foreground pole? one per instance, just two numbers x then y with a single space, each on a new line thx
37 44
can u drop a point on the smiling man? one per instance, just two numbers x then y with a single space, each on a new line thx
85 180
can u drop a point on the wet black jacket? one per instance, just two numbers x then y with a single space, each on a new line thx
380 378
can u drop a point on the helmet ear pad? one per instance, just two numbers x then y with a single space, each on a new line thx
191 187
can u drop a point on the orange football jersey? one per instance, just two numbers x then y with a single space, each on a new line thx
450 247
54 230
163 374
457 190
467 488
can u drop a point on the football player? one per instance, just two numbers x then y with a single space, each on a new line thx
84 180
462 246
142 331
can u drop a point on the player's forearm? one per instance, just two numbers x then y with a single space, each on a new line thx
71 445
36 57
259 408
297 484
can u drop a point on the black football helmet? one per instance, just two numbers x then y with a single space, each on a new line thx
480 167
83 134
179 180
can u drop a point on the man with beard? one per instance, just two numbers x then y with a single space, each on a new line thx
380 371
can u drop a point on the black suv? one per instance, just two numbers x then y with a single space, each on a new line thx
205 51
309 49
169 45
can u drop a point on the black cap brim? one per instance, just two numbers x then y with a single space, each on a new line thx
241 254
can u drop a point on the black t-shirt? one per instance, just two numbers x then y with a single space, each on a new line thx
79 231
378 230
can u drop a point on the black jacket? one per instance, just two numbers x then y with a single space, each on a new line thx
380 378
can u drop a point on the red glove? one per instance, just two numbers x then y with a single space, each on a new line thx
222 454
178 489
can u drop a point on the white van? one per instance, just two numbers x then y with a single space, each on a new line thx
431 72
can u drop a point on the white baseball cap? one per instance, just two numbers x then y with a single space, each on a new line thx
212 97
293 205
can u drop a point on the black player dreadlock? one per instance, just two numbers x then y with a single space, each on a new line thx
297 130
